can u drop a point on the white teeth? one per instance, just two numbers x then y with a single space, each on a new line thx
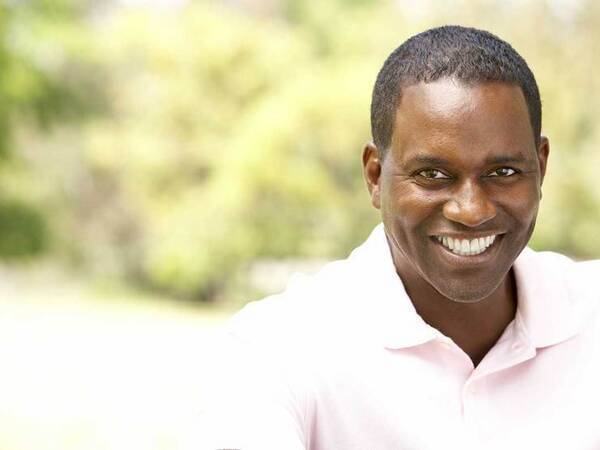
466 247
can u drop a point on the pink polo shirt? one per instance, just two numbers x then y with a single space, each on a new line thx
331 364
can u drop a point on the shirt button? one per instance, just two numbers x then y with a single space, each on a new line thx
472 390
517 346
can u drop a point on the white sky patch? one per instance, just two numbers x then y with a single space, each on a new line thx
566 9
158 4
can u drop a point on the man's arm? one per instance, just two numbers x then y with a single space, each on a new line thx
251 405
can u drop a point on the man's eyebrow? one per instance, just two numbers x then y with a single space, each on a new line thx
507 159
501 159
431 160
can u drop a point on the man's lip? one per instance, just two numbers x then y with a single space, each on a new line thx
469 260
468 236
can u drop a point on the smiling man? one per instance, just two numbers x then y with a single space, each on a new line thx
443 330
458 182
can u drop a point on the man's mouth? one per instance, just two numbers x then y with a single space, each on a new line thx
467 247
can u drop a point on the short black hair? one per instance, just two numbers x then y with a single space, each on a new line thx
466 54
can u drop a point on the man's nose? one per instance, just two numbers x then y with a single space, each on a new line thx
469 205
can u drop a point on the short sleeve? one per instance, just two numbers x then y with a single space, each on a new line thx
250 404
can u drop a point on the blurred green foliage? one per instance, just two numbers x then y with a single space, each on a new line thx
41 85
232 131
22 229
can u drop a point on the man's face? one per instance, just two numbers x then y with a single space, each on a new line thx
459 188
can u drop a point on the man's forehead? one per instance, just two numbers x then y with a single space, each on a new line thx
449 112
449 96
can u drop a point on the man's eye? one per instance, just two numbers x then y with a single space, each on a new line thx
503 172
433 174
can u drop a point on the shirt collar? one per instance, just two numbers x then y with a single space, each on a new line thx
548 310
391 311
553 298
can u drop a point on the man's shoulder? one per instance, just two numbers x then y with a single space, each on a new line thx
590 267
308 304
564 266
576 278
569 282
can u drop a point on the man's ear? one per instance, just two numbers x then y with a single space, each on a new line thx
542 154
372 172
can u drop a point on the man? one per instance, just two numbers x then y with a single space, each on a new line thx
442 330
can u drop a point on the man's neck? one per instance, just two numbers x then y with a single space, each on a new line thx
474 327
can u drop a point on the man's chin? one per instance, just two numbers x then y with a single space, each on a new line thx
467 292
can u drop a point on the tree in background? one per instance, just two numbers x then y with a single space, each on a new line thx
40 86
232 132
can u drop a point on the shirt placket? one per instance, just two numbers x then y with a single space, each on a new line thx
478 413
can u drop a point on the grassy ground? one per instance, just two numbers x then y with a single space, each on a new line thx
83 370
